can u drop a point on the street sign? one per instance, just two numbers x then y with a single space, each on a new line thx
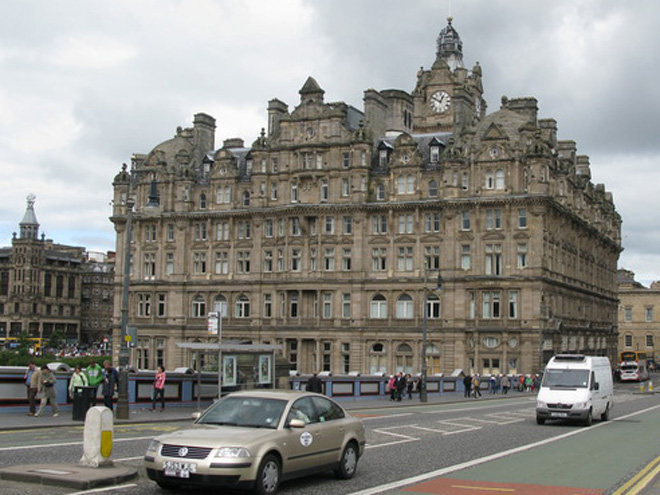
213 323
131 336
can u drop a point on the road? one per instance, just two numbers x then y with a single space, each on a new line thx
454 441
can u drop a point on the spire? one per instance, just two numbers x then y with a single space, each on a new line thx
29 225
450 46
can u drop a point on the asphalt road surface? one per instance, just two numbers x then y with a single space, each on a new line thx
405 444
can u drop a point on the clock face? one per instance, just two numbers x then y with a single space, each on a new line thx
440 102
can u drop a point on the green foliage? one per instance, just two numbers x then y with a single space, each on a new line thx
17 358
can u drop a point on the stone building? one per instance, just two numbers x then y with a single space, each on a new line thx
639 316
343 233
42 288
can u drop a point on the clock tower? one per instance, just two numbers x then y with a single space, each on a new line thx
447 95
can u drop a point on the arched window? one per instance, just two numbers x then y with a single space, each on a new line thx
246 198
404 358
378 307
242 306
404 307
377 359
198 307
220 306
499 180
433 189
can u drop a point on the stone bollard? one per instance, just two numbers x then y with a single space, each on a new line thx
97 437
650 386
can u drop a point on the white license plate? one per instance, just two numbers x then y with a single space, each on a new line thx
559 414
179 469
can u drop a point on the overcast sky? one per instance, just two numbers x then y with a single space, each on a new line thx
84 84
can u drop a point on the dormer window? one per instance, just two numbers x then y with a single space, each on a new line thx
382 158
435 154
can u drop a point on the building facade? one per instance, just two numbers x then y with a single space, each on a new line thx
639 316
353 236
43 290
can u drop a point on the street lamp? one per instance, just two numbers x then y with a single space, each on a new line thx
423 395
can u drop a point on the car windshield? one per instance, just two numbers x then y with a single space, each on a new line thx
254 412
566 378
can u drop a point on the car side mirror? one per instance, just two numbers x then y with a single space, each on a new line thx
196 415
296 423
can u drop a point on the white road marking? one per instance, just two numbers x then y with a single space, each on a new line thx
106 489
475 462
404 439
372 418
68 444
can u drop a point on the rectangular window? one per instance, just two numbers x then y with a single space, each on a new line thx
466 257
649 340
345 187
295 226
280 260
406 224
169 263
346 357
268 261
327 305
379 259
347 225
493 259
522 255
432 257
648 313
222 262
144 305
346 305
244 229
170 232
329 259
329 225
243 261
149 266
491 304
522 218
465 220
432 222
294 192
313 259
493 219
513 304
472 305
628 340
268 305
404 260
379 224
268 227
199 263
346 259
199 231
150 233
273 165
161 309
627 314
324 191
345 159
296 260
293 304
273 191
222 231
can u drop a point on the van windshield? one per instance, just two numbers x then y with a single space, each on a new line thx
565 378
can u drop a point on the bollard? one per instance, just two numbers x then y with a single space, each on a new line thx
641 387
97 437
650 385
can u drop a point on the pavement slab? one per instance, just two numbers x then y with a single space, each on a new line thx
69 475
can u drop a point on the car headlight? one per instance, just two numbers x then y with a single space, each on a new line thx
232 452
154 446
541 404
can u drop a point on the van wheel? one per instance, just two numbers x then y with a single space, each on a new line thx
540 421
606 415
589 419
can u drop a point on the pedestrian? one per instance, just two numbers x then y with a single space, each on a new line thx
94 378
409 385
159 389
506 384
476 385
31 387
109 384
528 383
47 391
400 385
78 380
314 384
467 385
493 384
391 387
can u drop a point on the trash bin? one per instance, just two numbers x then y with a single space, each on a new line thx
83 398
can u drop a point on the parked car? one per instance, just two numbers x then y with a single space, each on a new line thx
256 439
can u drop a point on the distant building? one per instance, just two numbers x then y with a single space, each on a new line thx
43 288
329 233
639 316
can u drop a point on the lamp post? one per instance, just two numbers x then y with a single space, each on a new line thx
122 385
423 394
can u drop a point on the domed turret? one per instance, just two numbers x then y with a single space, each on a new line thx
450 46
29 225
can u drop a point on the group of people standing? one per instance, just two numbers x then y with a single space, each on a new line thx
499 384
40 384
400 385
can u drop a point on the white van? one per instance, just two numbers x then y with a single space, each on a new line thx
575 387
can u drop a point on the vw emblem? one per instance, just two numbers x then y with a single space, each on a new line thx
183 451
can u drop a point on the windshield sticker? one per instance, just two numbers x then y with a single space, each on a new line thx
306 439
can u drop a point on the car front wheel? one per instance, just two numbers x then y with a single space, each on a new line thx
268 476
347 463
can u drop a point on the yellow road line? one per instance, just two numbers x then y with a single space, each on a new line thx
641 480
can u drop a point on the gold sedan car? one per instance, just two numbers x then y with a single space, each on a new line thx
256 439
